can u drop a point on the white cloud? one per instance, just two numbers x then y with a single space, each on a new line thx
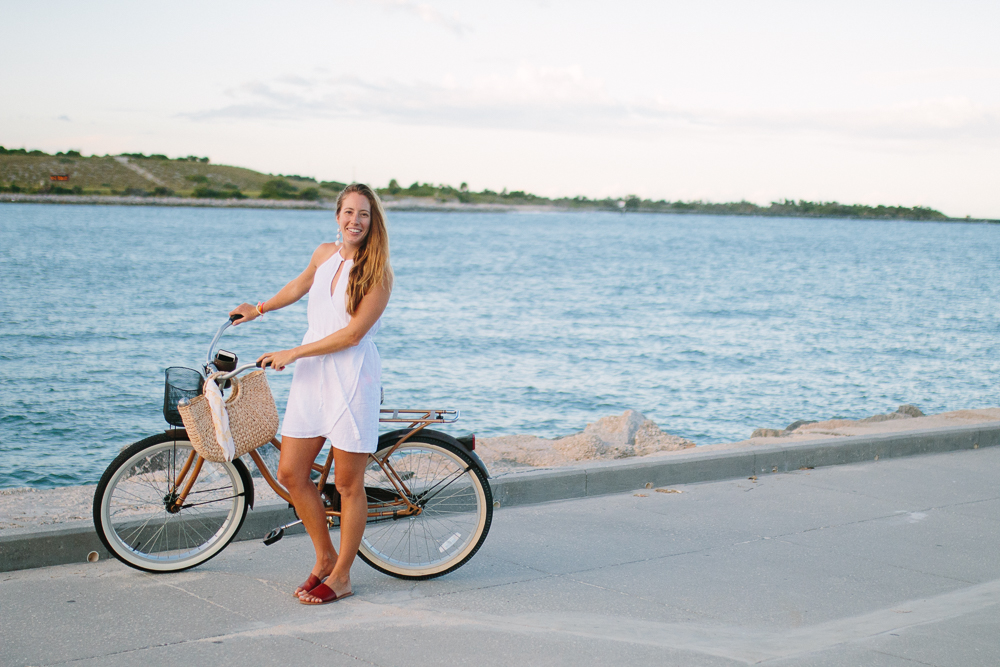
427 14
531 98
565 100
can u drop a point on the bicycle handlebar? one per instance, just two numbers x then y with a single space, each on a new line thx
218 335
230 375
211 352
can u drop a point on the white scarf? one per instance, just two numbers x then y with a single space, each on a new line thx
220 418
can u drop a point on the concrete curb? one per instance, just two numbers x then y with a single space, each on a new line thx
595 479
70 543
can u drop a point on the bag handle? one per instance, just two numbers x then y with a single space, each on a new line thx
234 380
237 382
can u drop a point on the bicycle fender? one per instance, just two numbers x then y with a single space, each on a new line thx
241 468
390 438
247 480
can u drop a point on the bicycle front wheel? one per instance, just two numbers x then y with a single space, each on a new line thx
135 514
456 510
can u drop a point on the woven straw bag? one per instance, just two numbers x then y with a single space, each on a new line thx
253 418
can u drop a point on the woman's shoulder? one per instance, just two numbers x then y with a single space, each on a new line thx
324 252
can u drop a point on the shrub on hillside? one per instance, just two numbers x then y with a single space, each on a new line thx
418 190
197 178
206 192
336 186
19 151
59 190
278 188
310 194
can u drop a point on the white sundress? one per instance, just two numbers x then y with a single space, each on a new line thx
335 395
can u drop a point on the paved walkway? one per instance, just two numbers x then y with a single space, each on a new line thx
887 563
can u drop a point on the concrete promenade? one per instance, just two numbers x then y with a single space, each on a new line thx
71 542
892 562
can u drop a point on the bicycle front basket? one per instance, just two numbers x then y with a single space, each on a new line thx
180 383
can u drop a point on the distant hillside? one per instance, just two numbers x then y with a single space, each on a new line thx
137 174
786 208
35 172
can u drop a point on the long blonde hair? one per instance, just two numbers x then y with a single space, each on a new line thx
371 263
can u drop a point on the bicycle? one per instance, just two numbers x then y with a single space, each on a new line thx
160 507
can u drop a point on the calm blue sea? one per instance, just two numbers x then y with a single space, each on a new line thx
528 323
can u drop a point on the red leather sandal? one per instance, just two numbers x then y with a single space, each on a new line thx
312 582
325 595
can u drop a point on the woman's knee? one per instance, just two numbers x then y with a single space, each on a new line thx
291 478
350 486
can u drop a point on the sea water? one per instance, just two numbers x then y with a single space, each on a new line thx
526 322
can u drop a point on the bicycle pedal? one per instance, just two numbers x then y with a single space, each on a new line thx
274 536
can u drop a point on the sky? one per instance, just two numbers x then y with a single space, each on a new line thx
871 102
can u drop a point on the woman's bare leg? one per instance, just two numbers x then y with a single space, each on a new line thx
294 466
349 469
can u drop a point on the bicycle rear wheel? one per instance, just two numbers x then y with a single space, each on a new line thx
456 511
132 499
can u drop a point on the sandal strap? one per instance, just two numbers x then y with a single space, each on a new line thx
312 582
324 593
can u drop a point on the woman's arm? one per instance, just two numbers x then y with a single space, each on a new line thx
369 310
290 293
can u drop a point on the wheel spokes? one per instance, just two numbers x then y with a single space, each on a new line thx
137 499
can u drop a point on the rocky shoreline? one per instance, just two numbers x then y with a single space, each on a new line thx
614 437
392 204
629 435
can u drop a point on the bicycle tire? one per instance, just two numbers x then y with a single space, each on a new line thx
130 502
456 517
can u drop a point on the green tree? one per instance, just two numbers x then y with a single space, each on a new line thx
278 188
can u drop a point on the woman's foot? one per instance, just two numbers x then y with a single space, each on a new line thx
328 591
312 582
321 570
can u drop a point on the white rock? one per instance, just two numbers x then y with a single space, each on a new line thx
612 437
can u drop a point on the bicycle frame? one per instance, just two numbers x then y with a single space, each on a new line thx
398 508
402 506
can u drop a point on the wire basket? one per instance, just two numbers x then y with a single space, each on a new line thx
180 383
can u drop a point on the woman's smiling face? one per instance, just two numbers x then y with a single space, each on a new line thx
355 218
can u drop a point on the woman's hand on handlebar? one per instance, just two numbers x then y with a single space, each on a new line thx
277 360
246 310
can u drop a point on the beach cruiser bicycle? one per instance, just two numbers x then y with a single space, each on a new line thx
162 507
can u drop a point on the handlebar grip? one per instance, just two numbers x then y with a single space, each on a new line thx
233 318
267 365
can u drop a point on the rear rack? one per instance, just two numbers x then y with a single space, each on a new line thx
411 416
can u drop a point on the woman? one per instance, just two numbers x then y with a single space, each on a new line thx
336 387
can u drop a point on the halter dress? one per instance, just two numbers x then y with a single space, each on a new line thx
335 395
